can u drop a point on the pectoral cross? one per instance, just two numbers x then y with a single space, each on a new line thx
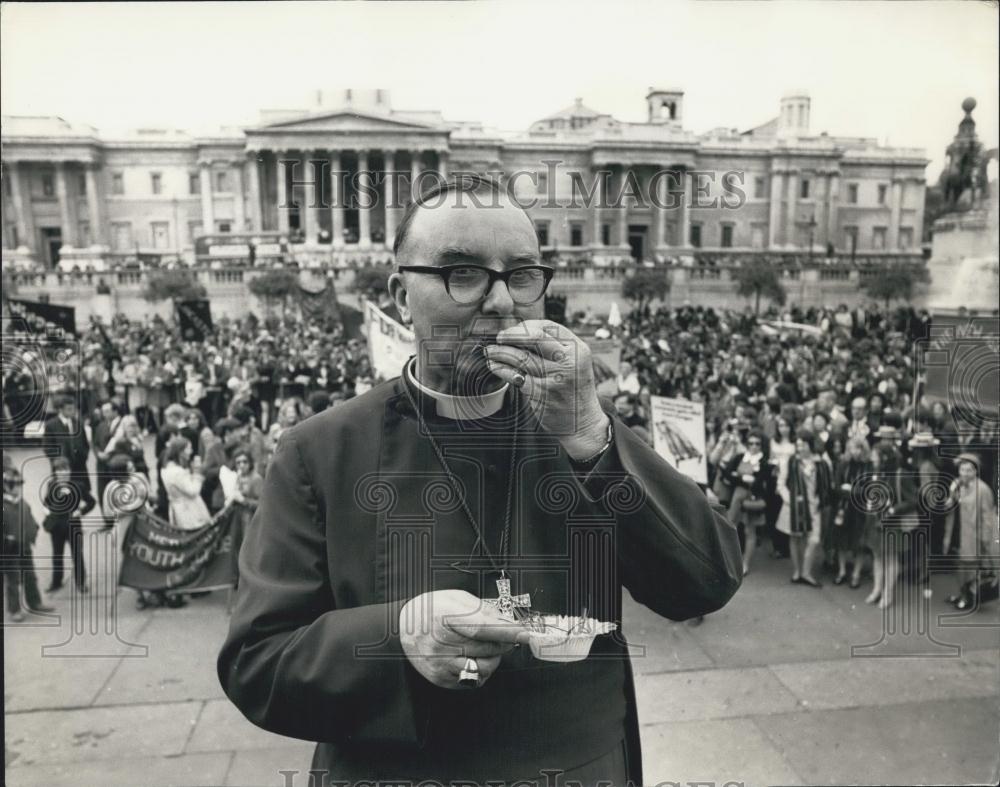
506 604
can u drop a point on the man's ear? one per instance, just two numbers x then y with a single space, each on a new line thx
400 297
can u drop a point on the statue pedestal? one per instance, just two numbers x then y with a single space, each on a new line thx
964 264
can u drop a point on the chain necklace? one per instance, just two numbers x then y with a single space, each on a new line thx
457 489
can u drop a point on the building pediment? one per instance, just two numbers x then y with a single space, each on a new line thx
350 121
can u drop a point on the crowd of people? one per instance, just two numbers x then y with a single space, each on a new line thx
812 431
814 439
216 404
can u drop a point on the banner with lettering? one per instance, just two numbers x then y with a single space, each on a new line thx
195 318
44 318
389 343
158 556
679 435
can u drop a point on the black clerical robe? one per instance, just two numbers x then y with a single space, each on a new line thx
357 517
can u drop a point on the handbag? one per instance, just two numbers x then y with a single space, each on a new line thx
754 505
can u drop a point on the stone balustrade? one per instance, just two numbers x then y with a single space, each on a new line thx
584 285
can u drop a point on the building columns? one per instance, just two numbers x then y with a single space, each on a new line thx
660 211
599 192
443 164
17 197
774 219
687 199
239 207
281 171
389 196
312 175
415 168
94 207
895 208
364 206
918 216
65 214
207 212
622 212
791 225
833 196
256 213
336 201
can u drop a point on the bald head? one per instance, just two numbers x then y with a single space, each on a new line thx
441 218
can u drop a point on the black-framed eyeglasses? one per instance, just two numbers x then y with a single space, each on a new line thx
470 283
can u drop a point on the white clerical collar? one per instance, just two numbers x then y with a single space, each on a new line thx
460 408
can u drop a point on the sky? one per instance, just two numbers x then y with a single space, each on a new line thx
895 71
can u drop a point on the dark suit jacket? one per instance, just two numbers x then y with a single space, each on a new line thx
74 445
313 650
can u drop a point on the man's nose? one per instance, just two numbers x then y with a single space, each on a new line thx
498 300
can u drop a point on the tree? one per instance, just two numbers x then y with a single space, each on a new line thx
644 286
372 282
163 285
757 277
274 287
894 281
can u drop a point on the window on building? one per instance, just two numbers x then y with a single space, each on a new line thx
576 233
851 238
852 193
12 236
727 236
221 182
156 182
194 183
883 190
223 226
118 183
160 231
758 236
542 230
121 235
906 237
696 235
81 184
83 234
48 184
194 230
543 182
804 188
759 188
606 234
878 237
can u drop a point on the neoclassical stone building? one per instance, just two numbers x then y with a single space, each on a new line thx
596 186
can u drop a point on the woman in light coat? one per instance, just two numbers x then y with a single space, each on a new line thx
182 480
971 526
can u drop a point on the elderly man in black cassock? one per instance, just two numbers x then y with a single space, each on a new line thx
363 619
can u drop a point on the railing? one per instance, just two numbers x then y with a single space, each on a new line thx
835 274
707 266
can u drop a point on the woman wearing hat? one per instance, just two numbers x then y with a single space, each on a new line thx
972 523
924 461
